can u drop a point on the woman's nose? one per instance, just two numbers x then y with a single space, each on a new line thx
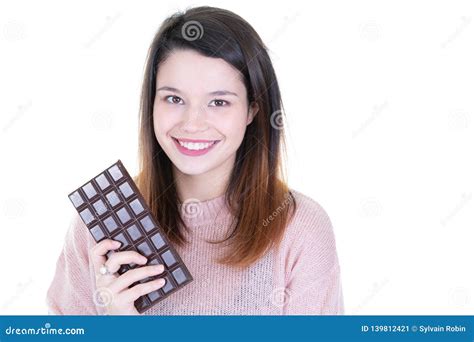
195 120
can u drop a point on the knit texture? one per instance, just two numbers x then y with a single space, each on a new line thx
301 277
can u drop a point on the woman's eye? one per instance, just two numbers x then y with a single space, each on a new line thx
174 99
218 103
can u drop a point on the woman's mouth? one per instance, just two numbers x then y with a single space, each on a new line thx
194 147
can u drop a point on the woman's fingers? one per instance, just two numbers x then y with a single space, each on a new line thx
139 290
118 287
134 275
99 251
122 258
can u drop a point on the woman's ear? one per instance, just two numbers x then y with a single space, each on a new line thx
253 110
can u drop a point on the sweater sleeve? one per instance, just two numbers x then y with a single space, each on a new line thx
73 285
313 281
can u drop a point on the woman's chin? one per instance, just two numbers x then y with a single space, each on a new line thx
191 170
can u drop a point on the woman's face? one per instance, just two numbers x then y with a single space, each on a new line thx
201 103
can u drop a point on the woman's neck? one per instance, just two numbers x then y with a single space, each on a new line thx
205 186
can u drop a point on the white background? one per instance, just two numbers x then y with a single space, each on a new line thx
379 102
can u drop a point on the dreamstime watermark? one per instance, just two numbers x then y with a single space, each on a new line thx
102 297
21 110
280 296
191 208
460 297
375 114
109 21
370 30
14 31
465 22
465 199
276 120
13 208
192 30
102 121
20 290
459 120
376 288
277 211
46 330
370 207
287 20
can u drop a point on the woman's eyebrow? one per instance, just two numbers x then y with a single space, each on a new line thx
217 92
223 92
168 88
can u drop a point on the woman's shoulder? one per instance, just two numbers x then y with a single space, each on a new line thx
78 238
309 213
309 229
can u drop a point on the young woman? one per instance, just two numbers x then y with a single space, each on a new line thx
211 145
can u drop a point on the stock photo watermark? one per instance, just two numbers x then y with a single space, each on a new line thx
20 289
465 21
21 110
276 120
370 30
192 30
191 208
370 207
463 202
109 22
102 297
277 211
14 31
47 329
280 296
377 111
374 291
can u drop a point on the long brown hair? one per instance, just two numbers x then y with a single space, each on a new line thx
257 193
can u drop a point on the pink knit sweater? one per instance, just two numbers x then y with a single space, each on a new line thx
302 277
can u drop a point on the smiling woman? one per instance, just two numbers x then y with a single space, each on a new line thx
211 146
209 77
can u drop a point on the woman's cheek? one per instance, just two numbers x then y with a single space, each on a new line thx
164 119
234 124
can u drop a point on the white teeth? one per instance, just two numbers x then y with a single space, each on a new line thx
195 146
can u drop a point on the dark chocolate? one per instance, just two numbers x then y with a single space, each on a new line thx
111 207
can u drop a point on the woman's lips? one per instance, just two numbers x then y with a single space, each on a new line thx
193 153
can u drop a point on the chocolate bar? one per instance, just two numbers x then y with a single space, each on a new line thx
111 207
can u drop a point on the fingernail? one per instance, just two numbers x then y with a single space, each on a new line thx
117 243
160 282
159 268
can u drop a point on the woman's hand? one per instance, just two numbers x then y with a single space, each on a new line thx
113 289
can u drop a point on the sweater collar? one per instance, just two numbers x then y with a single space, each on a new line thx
195 212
